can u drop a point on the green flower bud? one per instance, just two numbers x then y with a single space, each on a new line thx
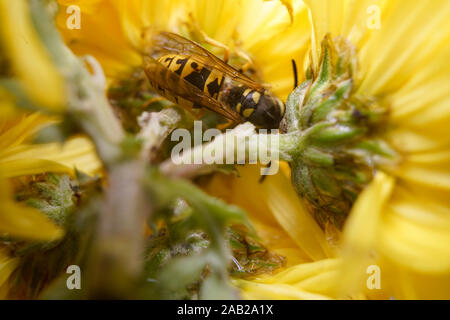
337 149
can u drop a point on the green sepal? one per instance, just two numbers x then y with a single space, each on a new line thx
337 134
316 156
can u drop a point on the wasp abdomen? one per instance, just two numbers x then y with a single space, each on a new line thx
207 80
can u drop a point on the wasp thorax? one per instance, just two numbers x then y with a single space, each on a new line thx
258 107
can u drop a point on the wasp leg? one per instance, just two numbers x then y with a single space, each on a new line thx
215 43
247 58
152 100
225 125
245 67
198 112
194 27
249 68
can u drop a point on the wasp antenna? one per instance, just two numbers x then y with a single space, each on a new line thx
294 67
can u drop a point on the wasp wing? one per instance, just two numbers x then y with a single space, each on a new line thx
172 84
167 42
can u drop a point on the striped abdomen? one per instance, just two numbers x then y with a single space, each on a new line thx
208 81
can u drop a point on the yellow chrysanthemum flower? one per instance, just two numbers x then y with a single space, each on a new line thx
402 215
111 31
28 57
18 157
401 222
31 67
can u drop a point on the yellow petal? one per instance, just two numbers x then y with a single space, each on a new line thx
360 232
302 272
292 42
18 220
428 175
339 17
409 141
294 218
260 291
7 106
411 285
76 153
22 167
406 44
29 58
89 6
415 231
281 208
426 90
105 41
22 128
267 227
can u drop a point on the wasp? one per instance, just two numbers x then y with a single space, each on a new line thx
187 74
